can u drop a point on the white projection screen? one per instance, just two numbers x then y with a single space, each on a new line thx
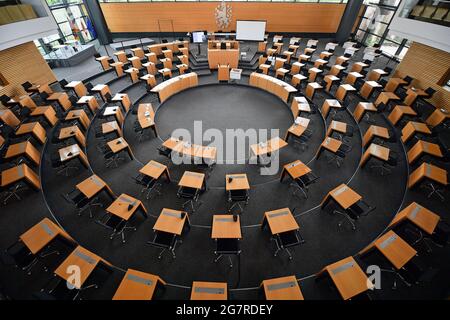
250 30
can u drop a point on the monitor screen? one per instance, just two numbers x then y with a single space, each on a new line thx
198 36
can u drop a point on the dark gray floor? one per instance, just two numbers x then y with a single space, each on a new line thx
325 241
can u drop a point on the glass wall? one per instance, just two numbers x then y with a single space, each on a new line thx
374 28
73 22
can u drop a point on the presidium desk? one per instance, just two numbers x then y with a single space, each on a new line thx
174 85
218 56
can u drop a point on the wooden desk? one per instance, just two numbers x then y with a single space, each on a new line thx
297 79
352 77
157 48
423 147
336 70
329 144
375 131
411 128
311 89
111 126
412 94
298 105
223 57
119 145
359 66
138 52
8 117
368 87
78 87
24 101
62 98
437 117
25 148
155 170
281 72
336 126
284 288
385 97
90 101
121 56
376 74
348 277
118 66
193 180
298 128
304 58
79 115
151 67
135 62
295 170
343 195
150 79
182 68
296 67
270 146
146 116
114 111
18 173
224 227
86 262
393 84
125 206
71 152
271 84
328 104
279 63
330 79
35 128
343 90
175 85
92 186
377 151
423 218
394 248
104 62
167 63
133 72
280 220
171 221
239 181
123 99
313 72
341 59
223 73
362 108
47 112
209 291
265 68
398 112
137 285
40 88
426 170
41 234
320 62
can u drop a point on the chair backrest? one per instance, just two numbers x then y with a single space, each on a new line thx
388 70
63 83
27 85
97 55
108 97
408 79
164 41
73 100
4 99
89 86
223 45
430 91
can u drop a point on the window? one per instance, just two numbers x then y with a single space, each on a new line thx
374 28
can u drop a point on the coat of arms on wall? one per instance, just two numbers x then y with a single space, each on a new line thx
223 15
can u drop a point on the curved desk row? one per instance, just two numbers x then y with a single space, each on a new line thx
174 85
271 84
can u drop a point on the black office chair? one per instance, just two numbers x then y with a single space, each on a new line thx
223 46
354 212
435 188
12 191
150 185
340 155
89 87
81 202
227 247
165 241
191 195
22 257
302 140
115 223
61 167
286 240
236 198
302 183
97 55
164 41
386 166
63 83
26 86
